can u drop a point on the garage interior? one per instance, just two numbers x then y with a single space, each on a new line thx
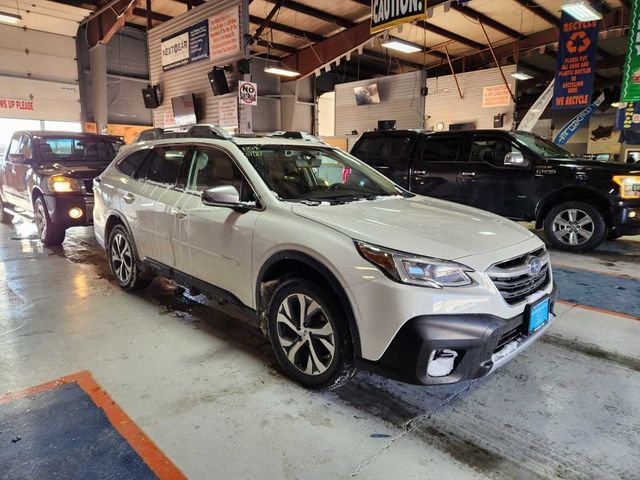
99 383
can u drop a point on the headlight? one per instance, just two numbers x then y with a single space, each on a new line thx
62 184
629 186
415 270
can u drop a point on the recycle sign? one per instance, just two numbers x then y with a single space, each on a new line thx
247 93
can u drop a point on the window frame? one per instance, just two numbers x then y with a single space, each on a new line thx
195 146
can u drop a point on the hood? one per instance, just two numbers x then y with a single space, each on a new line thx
613 167
419 225
74 170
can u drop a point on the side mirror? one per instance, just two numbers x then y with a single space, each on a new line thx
224 196
515 159
16 157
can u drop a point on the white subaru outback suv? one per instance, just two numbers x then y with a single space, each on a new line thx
339 266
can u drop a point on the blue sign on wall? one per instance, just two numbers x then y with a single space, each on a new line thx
185 47
576 63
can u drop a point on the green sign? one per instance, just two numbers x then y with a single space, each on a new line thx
631 78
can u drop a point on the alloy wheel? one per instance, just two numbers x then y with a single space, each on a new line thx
40 218
121 258
305 334
573 226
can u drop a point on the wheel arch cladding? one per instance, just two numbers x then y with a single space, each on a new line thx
291 262
573 194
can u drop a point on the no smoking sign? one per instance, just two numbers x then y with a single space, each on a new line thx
247 93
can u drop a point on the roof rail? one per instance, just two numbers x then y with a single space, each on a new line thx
205 130
150 134
296 135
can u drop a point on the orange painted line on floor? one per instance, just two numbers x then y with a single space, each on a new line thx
588 270
143 445
599 310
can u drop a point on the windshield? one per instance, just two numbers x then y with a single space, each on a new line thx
316 174
541 146
61 149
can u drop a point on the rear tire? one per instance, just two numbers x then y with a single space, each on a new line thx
5 217
49 233
124 262
309 335
575 227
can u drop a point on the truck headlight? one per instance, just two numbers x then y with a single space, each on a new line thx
62 184
629 186
415 269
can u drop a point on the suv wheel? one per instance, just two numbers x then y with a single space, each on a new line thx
49 233
124 262
575 226
5 217
309 335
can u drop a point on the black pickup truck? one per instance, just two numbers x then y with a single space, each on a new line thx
49 176
518 175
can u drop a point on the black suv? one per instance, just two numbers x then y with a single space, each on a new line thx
515 174
50 175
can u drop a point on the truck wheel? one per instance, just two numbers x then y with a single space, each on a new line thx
5 217
124 261
49 233
309 335
575 227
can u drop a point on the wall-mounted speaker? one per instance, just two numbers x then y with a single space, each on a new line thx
152 96
218 81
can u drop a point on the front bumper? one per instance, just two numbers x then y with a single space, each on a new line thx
483 343
626 217
58 207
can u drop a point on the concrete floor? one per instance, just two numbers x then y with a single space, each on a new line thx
207 391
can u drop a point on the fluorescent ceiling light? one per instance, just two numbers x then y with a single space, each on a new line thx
400 46
281 71
521 76
9 18
581 10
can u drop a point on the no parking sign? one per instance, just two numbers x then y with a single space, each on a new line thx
247 93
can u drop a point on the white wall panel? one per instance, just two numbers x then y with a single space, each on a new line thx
443 104
400 100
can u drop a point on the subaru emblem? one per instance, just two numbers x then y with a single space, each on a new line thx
534 264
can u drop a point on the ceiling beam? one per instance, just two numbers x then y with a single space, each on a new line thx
267 19
101 27
430 27
540 11
314 12
141 12
314 37
276 46
488 21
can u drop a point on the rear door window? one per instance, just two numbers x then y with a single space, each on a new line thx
165 164
440 148
384 146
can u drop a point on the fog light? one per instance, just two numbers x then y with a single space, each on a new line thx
441 363
75 213
632 214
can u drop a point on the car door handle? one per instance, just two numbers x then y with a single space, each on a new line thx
420 172
180 214
128 197
468 174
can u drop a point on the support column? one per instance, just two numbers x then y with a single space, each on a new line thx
245 112
98 65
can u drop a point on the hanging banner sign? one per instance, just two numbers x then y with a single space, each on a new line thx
535 112
577 122
387 13
576 63
247 93
185 47
224 34
631 77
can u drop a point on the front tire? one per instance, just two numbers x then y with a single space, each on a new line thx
309 335
49 233
124 261
575 227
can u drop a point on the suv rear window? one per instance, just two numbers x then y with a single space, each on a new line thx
132 163
383 146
